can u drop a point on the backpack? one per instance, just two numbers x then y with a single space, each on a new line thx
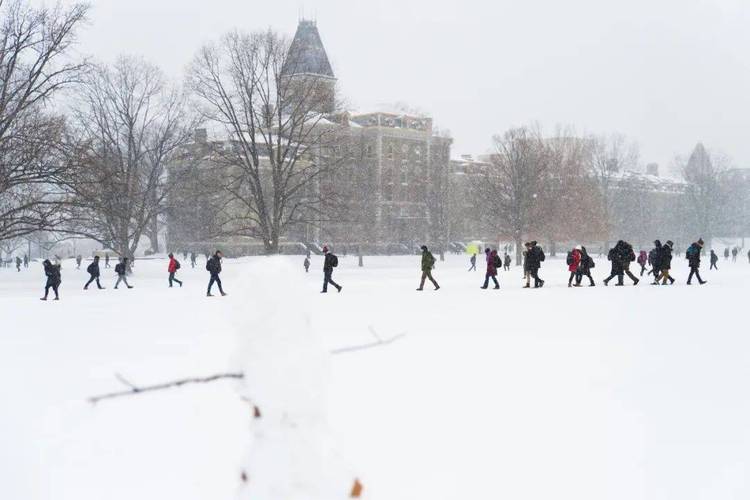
176 264
570 260
90 269
541 254
497 261
334 261
119 268
210 264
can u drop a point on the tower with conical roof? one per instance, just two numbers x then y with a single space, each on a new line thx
307 68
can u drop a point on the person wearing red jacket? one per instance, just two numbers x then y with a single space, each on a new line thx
574 260
642 261
492 264
174 265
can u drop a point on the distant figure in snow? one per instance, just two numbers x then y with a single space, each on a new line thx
306 263
726 253
26 260
534 258
192 260
172 268
506 262
526 274
329 262
584 268
573 261
94 272
714 260
665 263
642 260
693 255
213 266
493 262
53 278
428 262
78 261
121 269
106 260
621 256
184 255
734 254
18 264
473 262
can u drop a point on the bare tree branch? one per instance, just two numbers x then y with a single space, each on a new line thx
133 389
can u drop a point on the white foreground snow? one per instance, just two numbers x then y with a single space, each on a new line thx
591 393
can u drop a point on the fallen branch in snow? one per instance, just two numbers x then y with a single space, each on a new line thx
134 389
378 342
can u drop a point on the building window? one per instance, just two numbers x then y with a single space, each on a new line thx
389 152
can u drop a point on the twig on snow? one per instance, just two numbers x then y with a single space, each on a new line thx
134 389
379 341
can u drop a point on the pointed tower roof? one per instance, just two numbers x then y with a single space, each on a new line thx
306 53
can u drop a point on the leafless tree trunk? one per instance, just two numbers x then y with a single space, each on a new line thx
281 147
128 125
34 45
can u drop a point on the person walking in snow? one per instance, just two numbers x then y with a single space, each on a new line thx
665 263
585 267
52 271
726 253
621 256
121 268
506 262
428 262
473 262
493 262
748 256
93 270
172 268
534 258
213 266
306 264
26 260
714 260
693 255
574 261
18 263
106 261
525 256
329 262
78 261
192 260
734 254
642 260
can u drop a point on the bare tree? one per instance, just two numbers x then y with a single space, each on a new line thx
280 157
511 184
129 124
34 45
609 157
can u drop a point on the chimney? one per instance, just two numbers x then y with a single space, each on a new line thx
200 135
652 169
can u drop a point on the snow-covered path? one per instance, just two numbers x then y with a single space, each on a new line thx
590 393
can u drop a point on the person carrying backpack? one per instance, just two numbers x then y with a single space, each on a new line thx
584 268
693 256
665 263
493 262
52 271
213 266
329 262
473 262
121 269
428 262
534 258
93 270
574 261
172 268
506 262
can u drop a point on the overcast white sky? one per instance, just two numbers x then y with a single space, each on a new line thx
667 73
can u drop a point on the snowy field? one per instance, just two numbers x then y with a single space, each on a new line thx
588 393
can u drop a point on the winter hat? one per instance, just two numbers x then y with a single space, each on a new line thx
486 250
424 248
325 248
669 242
578 247
700 241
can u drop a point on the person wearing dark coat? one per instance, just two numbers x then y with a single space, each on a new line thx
306 264
714 260
473 262
621 256
665 263
726 253
329 262
122 269
52 271
735 251
18 264
93 271
693 256
506 262
584 268
492 262
192 260
213 266
428 262
534 258
26 260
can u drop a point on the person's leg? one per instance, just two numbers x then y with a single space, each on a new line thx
171 278
570 278
429 275
591 279
497 285
665 276
99 285
326 278
211 283
90 281
119 279
486 280
46 291
125 280
218 283
690 275
54 289
632 277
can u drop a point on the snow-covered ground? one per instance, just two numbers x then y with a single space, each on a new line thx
589 393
